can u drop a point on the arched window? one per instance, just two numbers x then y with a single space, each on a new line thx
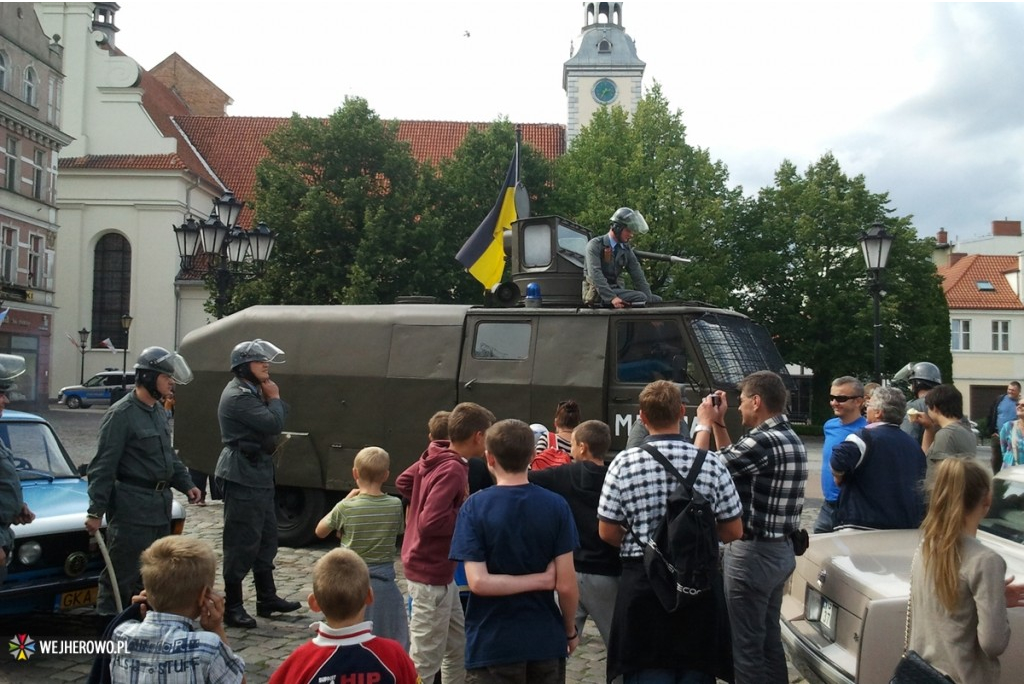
5 69
111 288
31 88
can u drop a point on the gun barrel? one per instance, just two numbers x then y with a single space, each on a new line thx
657 256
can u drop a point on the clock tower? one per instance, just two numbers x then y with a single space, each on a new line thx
603 68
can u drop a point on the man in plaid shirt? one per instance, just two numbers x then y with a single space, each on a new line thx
769 467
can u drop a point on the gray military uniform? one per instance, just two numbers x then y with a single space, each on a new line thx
248 425
130 480
11 501
603 267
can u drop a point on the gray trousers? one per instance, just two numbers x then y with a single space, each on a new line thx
126 542
250 530
388 613
597 600
755 577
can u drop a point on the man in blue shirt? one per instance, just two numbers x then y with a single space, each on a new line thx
846 397
1003 409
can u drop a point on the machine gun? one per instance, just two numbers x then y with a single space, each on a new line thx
657 256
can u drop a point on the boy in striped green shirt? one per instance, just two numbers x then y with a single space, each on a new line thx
369 522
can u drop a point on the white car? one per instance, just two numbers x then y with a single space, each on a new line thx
845 609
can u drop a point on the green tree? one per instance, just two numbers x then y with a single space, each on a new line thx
646 163
801 273
330 188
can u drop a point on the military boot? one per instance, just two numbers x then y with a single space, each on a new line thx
234 611
267 601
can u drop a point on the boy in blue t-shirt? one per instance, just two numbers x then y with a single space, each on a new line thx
517 541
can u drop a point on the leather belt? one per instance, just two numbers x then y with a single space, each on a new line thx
155 486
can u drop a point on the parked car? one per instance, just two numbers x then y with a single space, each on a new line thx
100 388
54 564
844 612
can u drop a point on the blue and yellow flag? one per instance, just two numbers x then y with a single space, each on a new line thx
483 254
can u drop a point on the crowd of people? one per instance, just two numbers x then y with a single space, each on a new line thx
543 532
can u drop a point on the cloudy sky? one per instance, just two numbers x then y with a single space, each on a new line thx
925 100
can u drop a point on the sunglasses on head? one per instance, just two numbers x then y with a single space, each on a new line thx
843 398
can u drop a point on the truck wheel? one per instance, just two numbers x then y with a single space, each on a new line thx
73 402
298 512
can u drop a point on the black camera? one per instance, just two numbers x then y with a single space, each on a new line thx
716 401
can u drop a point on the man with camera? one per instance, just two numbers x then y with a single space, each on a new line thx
251 416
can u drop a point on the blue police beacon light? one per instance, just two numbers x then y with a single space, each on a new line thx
533 298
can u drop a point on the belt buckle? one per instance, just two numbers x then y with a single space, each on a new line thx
160 486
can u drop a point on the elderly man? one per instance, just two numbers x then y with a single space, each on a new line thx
880 470
769 467
607 256
846 398
1004 409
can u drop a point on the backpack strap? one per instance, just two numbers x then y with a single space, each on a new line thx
688 482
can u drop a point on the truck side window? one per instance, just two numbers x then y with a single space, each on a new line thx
650 350
502 340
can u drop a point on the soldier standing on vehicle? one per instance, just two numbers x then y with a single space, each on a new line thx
251 416
13 510
609 255
131 476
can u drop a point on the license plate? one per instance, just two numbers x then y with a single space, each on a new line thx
828 615
77 598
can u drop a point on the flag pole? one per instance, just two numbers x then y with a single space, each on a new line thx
519 138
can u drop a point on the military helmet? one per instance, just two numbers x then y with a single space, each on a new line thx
624 217
11 366
160 360
255 351
926 372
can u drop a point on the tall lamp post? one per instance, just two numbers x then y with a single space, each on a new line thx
230 254
83 337
126 323
875 243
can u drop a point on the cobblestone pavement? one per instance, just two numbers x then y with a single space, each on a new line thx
265 646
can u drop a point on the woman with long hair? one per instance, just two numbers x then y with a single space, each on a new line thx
958 589
567 417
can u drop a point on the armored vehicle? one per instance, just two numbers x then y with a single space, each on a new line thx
359 375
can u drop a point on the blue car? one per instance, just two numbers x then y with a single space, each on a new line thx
55 564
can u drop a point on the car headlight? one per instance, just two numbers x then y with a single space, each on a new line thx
29 552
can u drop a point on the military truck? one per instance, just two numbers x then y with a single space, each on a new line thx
358 375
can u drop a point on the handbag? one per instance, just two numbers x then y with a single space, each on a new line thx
912 667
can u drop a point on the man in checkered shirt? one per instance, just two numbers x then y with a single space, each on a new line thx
769 467
648 644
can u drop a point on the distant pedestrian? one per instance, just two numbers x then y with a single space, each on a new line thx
369 523
131 476
1003 411
345 650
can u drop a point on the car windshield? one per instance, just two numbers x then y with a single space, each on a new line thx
1006 516
95 381
37 453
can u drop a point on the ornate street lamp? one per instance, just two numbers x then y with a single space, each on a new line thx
126 323
875 243
83 338
229 253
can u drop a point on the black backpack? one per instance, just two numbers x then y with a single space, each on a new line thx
681 558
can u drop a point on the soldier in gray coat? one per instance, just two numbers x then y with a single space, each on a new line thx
607 256
131 476
13 510
251 416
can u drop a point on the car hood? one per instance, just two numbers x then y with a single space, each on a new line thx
877 563
59 505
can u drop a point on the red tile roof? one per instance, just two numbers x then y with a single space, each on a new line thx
233 146
960 282
127 162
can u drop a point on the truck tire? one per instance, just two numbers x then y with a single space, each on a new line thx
298 512
73 402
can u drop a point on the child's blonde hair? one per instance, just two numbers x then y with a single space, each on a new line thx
373 464
175 570
341 583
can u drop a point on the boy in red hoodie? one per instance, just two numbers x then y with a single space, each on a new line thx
436 486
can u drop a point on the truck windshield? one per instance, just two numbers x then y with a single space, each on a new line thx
735 347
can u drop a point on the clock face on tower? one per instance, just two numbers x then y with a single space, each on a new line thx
605 91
